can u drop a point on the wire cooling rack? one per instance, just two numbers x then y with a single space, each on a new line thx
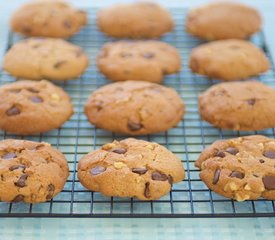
190 198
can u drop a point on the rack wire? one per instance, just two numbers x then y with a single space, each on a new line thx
189 198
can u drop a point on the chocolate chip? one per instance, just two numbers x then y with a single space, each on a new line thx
119 150
18 198
13 111
36 99
97 170
170 180
216 176
33 90
8 156
67 24
147 190
51 189
125 55
232 150
269 154
220 154
79 52
261 161
251 101
148 55
133 126
159 176
19 166
141 170
269 182
59 64
237 174
21 182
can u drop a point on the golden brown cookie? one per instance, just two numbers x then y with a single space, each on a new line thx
240 168
135 20
30 172
45 58
223 20
29 107
228 60
138 60
48 19
245 105
131 168
134 107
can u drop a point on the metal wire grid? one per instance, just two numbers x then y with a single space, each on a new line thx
190 198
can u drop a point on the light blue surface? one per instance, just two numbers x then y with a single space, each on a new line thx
70 229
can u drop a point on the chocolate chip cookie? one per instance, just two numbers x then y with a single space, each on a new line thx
228 60
223 20
240 168
48 19
131 168
45 58
135 20
138 60
29 107
245 105
30 171
134 107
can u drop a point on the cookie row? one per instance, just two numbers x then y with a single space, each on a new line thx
35 172
137 20
240 168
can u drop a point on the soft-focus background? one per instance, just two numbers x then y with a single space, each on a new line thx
136 229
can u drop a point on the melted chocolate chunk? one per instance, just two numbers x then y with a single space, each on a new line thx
141 170
13 111
269 154
157 176
97 170
216 176
147 190
119 150
21 182
269 182
9 156
237 174
134 126
51 189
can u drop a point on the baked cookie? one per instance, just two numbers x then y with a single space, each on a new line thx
135 20
228 60
131 168
134 107
45 58
138 60
245 105
48 19
223 20
29 107
240 168
30 171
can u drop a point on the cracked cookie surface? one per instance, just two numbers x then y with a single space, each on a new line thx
29 107
48 19
138 60
223 20
135 20
45 58
247 105
228 60
240 168
30 171
131 168
134 107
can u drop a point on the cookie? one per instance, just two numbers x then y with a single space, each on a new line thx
228 60
135 20
55 19
223 20
245 105
45 58
240 168
138 60
131 168
134 107
30 172
29 107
